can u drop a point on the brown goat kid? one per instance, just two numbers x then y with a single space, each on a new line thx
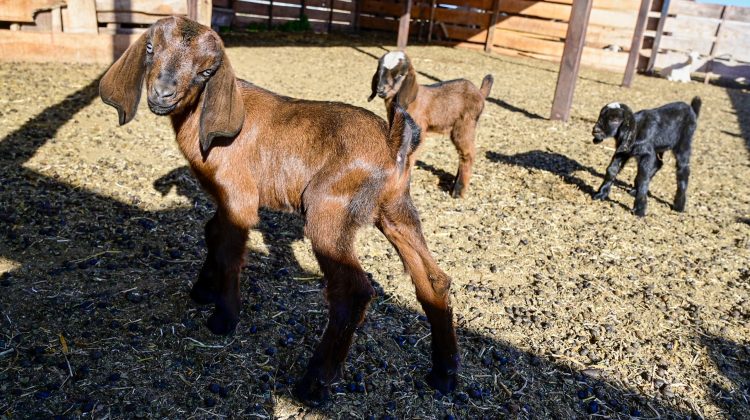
339 166
451 107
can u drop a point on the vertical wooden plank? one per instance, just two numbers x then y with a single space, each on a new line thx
355 14
57 20
714 45
270 14
571 59
432 20
203 12
82 14
635 46
302 9
403 27
330 16
491 30
657 37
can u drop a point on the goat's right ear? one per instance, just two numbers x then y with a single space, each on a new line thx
121 85
407 93
374 84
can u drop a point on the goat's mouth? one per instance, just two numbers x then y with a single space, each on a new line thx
161 109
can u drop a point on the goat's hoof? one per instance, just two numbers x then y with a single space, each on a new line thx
679 207
633 192
202 294
600 196
443 382
640 212
221 324
458 190
312 392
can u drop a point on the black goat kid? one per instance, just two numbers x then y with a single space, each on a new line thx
647 135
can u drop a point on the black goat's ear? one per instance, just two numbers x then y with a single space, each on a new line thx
223 110
627 132
121 85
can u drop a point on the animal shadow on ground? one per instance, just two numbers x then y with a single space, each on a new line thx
733 361
562 166
741 104
95 319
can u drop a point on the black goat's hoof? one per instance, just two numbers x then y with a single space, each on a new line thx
312 393
443 382
221 324
639 212
600 196
633 192
202 294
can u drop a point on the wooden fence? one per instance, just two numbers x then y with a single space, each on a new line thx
83 30
323 15
721 34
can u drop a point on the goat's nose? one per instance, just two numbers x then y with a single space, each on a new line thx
164 92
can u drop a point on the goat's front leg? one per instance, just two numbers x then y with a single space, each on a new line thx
646 168
402 228
618 160
204 290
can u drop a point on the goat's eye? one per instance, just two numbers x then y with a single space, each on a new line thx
149 48
207 73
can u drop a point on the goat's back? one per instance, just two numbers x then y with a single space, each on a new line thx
667 125
440 105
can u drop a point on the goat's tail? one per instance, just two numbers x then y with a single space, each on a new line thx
696 105
403 136
486 85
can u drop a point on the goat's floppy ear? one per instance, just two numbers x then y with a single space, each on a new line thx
374 83
121 85
627 132
223 111
407 93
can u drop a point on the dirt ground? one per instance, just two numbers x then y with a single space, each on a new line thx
565 307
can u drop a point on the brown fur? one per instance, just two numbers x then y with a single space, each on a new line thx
340 166
451 107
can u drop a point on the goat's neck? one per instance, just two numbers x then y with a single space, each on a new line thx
186 126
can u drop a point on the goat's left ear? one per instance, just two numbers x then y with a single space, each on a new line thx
121 85
223 110
627 132
407 93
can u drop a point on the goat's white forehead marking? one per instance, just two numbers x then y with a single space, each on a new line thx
614 105
391 59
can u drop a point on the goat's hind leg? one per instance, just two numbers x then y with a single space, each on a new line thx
462 136
348 291
646 168
683 173
401 225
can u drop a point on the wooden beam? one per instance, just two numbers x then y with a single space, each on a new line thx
571 59
82 15
200 11
714 46
491 29
635 46
432 20
403 27
657 37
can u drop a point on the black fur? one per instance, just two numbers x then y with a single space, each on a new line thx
646 135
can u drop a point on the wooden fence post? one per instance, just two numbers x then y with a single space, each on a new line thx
491 29
657 37
82 15
571 59
200 11
635 46
714 45
432 20
403 27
